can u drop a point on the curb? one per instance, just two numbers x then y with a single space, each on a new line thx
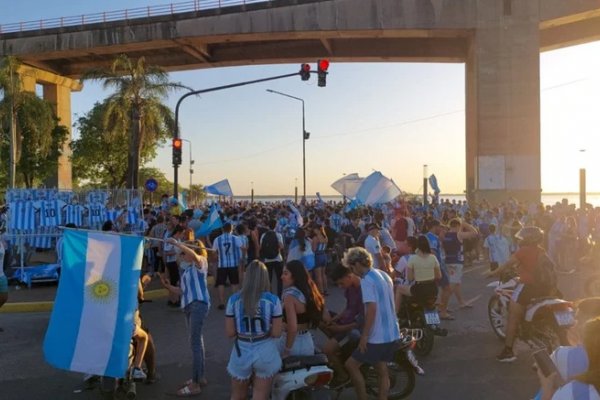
45 306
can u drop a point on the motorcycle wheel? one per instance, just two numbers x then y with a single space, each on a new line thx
592 286
402 380
498 315
425 345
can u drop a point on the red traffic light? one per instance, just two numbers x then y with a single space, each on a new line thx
305 68
177 143
323 65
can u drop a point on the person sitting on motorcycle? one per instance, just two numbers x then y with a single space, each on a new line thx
424 270
340 325
525 260
401 282
303 307
380 331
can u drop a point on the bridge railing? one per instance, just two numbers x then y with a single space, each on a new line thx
123 15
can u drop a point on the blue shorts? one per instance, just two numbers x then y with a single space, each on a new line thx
444 281
320 260
376 353
304 344
259 358
3 284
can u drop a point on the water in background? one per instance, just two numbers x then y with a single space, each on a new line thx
547 198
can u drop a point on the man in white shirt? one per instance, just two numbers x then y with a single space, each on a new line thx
380 330
373 246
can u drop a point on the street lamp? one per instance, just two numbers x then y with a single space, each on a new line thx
582 181
305 136
425 185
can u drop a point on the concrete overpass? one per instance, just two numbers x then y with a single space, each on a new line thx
498 40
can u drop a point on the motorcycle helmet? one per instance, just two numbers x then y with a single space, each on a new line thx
530 235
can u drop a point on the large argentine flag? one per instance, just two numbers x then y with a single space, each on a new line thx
92 321
221 188
377 189
212 222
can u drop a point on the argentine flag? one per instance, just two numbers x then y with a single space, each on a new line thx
92 321
213 222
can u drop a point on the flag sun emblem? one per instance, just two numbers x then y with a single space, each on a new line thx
101 290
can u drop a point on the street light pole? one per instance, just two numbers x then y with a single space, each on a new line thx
304 137
191 164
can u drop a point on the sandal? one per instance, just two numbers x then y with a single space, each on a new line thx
202 382
187 392
447 317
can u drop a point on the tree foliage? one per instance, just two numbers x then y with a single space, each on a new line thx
136 107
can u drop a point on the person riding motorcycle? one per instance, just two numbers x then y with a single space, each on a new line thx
525 259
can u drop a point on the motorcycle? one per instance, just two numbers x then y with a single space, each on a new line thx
546 321
401 370
302 378
423 315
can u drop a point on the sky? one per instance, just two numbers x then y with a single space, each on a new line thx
389 117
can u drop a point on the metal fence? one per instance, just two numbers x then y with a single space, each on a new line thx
124 15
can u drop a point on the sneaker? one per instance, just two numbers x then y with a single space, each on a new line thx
138 375
506 355
221 306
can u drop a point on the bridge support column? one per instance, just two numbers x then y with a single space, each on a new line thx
57 90
503 103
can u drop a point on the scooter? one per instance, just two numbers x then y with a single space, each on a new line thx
546 321
302 377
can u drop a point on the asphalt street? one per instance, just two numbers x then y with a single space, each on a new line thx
461 366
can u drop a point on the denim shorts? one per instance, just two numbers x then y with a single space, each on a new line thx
455 272
259 358
3 284
376 353
303 344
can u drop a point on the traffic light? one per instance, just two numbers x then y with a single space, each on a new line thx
177 143
305 72
322 67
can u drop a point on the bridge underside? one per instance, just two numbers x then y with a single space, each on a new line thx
499 42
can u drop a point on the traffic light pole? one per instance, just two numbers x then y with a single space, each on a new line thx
213 89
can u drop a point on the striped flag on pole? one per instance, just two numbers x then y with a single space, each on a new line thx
92 321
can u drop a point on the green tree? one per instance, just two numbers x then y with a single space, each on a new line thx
99 157
136 106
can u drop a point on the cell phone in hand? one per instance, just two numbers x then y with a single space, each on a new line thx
544 363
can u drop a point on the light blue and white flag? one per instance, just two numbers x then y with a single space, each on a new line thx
434 184
182 199
321 202
213 222
92 320
352 205
296 212
377 189
221 188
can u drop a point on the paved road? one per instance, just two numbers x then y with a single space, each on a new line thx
462 365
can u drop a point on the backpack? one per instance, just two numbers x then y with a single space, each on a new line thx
544 274
269 248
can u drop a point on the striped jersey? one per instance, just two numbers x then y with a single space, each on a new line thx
112 214
74 214
22 215
193 283
294 292
133 215
576 390
227 247
336 222
258 323
570 361
377 287
50 212
43 237
96 214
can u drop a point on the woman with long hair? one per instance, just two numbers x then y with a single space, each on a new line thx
586 385
319 247
195 302
301 249
253 318
423 269
302 310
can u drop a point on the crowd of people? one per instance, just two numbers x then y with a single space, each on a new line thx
272 264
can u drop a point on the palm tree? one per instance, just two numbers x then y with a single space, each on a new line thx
136 105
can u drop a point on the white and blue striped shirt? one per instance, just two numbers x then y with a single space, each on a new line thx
193 283
96 214
133 215
112 214
570 361
258 324
228 248
22 215
51 212
377 287
336 222
576 390
74 214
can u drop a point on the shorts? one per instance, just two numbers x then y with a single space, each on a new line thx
376 353
443 282
304 344
173 270
3 284
524 293
320 260
455 273
224 274
259 358
422 292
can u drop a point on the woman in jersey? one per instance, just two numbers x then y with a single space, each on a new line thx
319 247
195 302
253 318
302 310
301 249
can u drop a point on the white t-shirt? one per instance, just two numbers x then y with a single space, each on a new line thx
377 287
410 226
373 246
387 239
499 248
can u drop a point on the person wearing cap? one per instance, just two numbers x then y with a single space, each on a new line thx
373 246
